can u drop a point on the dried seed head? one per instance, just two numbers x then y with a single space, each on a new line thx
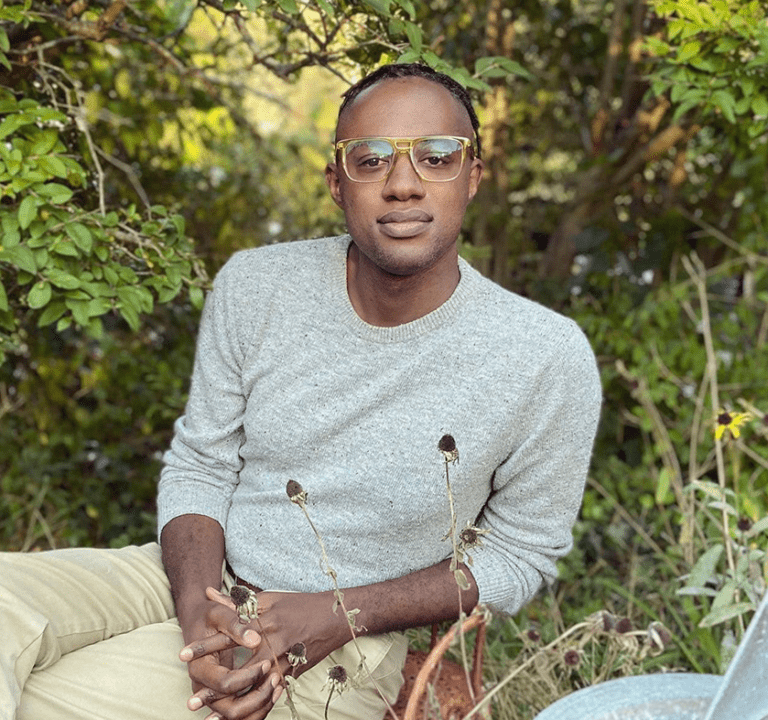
533 635
658 635
471 537
608 621
624 626
297 654
295 492
246 602
744 524
240 595
447 446
337 674
571 658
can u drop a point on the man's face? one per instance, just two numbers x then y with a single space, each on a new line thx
404 225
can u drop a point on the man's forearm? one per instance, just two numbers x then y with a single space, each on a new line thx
420 598
193 553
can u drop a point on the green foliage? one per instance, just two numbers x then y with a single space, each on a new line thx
713 61
82 428
659 509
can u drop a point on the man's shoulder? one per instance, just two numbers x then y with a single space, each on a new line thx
271 261
516 317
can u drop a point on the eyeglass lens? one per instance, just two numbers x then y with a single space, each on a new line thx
436 159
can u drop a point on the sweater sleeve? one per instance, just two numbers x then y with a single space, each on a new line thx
201 468
537 490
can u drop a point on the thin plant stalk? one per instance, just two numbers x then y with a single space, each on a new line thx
340 599
454 567
697 271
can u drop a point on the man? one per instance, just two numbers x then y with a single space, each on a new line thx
339 364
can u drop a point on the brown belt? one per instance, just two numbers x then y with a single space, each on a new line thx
239 581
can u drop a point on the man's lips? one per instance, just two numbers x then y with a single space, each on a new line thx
404 223
398 216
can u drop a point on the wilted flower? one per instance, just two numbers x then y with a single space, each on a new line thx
447 446
296 493
337 679
730 421
297 654
658 635
608 621
246 602
571 658
533 635
471 537
744 524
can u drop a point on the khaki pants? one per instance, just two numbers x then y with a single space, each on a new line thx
92 634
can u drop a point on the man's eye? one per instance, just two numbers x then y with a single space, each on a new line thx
436 160
371 162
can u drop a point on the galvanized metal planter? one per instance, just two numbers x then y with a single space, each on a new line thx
741 694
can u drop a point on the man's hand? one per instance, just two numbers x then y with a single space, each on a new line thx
285 619
216 630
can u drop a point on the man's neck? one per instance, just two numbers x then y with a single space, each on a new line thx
386 300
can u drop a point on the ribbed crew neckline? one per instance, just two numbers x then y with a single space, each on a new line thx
398 333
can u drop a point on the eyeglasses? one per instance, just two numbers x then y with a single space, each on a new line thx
435 158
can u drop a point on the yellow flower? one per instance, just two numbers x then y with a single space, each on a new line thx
730 421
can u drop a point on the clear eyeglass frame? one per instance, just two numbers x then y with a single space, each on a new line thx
404 146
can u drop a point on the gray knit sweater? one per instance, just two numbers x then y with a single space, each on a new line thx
289 383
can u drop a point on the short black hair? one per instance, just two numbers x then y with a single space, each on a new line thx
396 71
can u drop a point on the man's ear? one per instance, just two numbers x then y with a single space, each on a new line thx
475 175
333 181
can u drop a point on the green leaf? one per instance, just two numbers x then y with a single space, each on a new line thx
663 495
79 310
688 51
409 7
727 612
497 66
3 298
65 247
44 143
379 6
62 279
27 211
20 256
288 6
414 35
11 235
12 123
39 295
408 56
52 313
725 101
130 316
196 296
57 193
80 235
760 105
53 165
5 44
705 567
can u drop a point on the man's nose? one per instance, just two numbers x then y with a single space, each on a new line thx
403 181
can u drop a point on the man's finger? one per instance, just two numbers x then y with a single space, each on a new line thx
215 682
253 705
206 646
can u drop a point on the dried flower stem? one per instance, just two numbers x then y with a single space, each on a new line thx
300 500
457 573
695 268
246 603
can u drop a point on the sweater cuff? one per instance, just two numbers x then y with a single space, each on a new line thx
191 498
503 586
